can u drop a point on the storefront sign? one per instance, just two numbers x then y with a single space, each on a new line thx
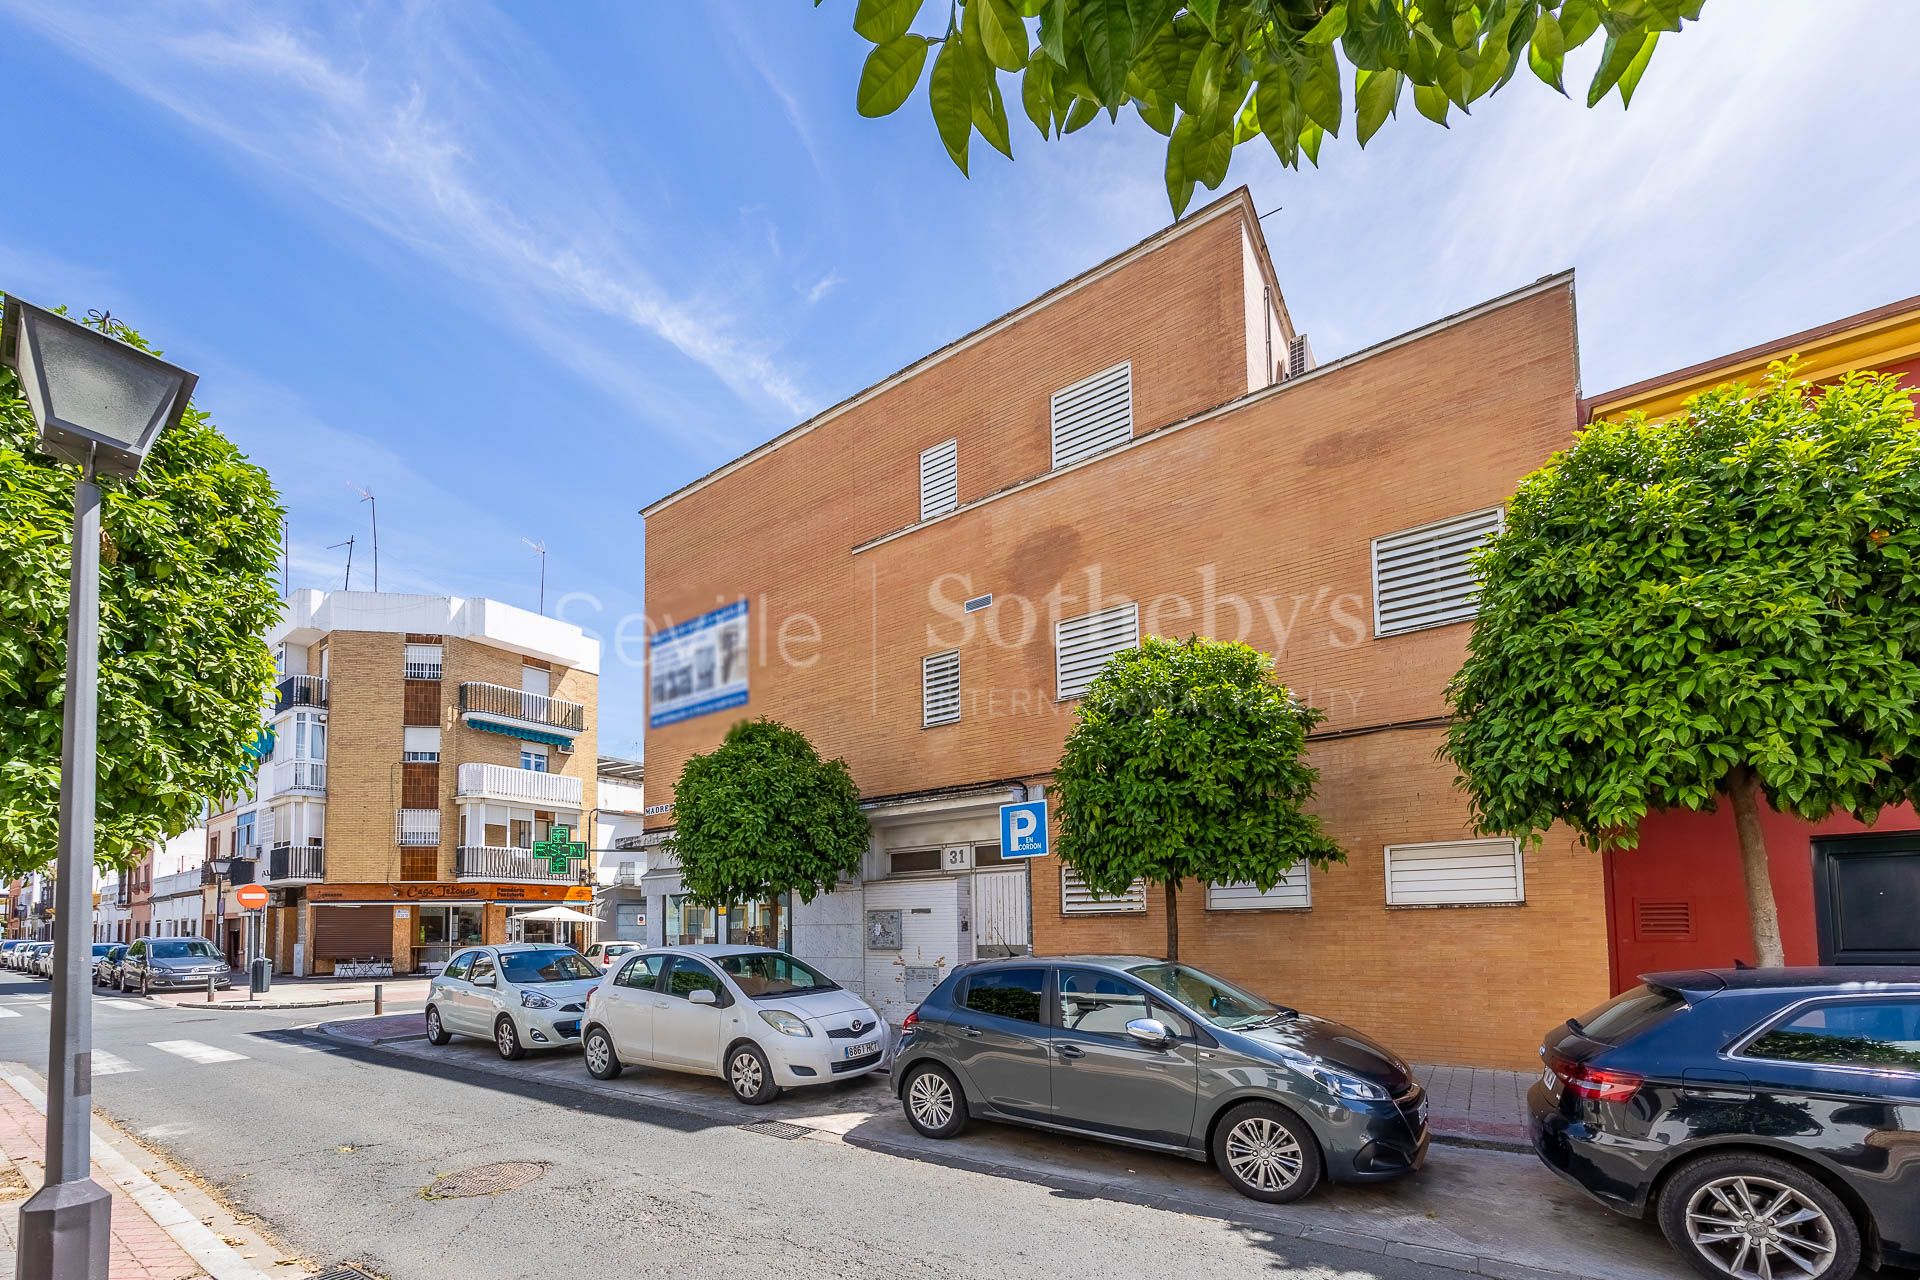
1023 829
698 666
376 893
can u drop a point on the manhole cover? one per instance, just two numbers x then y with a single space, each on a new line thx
777 1129
487 1179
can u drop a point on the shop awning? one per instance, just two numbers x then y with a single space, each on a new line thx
515 731
558 915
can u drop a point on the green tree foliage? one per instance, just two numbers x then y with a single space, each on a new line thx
1186 761
762 815
1212 74
187 592
1722 605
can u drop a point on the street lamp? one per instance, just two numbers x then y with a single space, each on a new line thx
99 403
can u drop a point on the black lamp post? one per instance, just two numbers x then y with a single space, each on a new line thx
99 403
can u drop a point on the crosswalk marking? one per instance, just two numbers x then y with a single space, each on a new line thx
107 1064
8 1013
194 1051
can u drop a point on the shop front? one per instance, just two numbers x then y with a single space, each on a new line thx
415 928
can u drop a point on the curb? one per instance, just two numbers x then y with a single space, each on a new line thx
250 1006
1252 1213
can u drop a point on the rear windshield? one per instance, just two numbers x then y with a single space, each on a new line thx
1627 1014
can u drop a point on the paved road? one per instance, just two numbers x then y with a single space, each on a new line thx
333 1147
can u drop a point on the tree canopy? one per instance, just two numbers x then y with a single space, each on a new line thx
1722 605
762 814
1210 75
187 593
1187 761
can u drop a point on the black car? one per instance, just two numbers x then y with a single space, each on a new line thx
1163 1056
1768 1119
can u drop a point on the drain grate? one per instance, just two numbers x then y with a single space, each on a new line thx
342 1273
486 1179
777 1129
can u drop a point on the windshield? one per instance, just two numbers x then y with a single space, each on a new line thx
102 948
1216 1000
183 949
761 974
557 965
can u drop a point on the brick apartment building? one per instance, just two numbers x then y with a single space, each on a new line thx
923 577
419 749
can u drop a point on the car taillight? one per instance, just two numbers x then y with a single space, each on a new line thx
913 1020
1597 1083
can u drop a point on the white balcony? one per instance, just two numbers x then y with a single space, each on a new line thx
300 778
524 786
417 827
491 862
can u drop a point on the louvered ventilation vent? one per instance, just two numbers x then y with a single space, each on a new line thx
1455 872
1290 893
1299 356
940 689
1082 645
1663 919
1421 577
1076 900
1093 415
939 479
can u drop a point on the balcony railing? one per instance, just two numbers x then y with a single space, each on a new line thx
301 777
478 698
491 862
300 691
239 871
122 895
423 671
417 826
501 782
295 864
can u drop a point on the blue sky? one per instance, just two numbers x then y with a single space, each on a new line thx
522 269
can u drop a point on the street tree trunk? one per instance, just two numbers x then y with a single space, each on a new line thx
1173 918
1762 912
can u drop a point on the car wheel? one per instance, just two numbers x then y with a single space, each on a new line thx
1267 1153
602 1062
933 1102
436 1033
749 1076
1751 1216
506 1038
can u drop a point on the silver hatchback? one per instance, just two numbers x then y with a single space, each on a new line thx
1165 1056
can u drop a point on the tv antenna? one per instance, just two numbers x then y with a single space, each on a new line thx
348 544
540 547
373 510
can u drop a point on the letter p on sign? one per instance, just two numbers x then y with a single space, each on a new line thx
1023 829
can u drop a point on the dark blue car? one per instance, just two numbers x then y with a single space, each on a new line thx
1769 1119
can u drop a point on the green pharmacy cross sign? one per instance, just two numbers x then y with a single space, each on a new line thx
560 849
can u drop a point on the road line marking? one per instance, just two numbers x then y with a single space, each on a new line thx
194 1051
107 1064
8 1013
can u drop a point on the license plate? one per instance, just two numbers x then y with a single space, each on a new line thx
860 1050
1551 1079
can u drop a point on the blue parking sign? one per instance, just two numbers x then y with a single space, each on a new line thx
1023 829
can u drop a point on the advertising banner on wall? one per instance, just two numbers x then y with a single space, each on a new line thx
698 666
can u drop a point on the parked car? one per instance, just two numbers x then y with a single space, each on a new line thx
1165 1056
521 996
7 947
106 970
40 960
604 954
157 964
1767 1119
759 1019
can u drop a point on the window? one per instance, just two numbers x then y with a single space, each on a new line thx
1628 1014
689 923
1291 892
940 689
908 862
939 479
1093 415
1008 993
423 662
1421 577
422 744
1876 1035
533 755
1099 1004
458 966
482 972
1081 646
1078 900
987 855
1216 1000
641 973
1455 873
688 976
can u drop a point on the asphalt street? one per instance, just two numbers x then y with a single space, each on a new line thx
334 1148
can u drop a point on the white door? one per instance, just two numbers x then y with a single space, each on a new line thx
686 1034
1001 913
626 1009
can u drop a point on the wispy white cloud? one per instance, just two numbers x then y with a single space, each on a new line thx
825 285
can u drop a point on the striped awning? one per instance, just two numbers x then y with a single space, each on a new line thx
516 731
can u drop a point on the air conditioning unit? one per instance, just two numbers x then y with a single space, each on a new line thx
1299 356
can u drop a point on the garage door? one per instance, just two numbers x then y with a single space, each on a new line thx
353 933
1865 889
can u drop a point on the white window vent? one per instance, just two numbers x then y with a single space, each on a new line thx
1082 645
1455 873
1299 356
940 689
1291 892
1421 577
939 479
1093 415
1077 900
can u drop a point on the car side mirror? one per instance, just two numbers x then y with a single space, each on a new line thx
486 982
702 995
1150 1032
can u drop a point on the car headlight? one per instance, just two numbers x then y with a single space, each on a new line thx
1340 1084
785 1023
534 1000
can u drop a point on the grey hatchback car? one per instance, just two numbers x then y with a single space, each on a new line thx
1163 1056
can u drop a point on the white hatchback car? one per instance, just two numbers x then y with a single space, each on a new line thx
759 1019
523 996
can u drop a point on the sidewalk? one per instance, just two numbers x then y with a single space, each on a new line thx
301 993
154 1236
